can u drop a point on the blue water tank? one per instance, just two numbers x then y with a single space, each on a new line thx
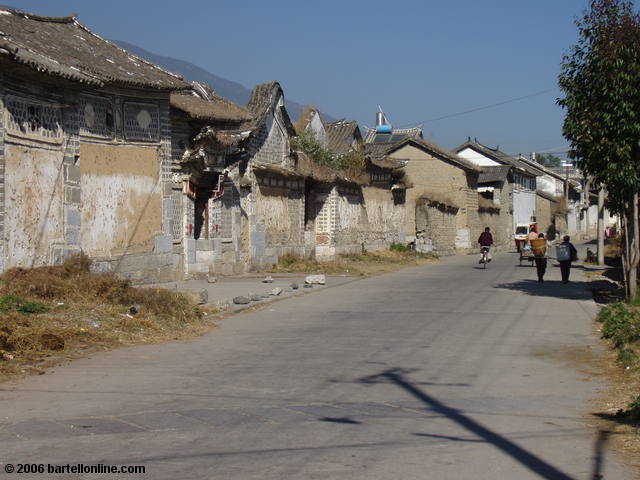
383 129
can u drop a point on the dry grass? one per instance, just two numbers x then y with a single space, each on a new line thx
51 313
370 263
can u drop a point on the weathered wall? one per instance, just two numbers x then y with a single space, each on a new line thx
544 215
33 221
500 222
383 219
349 219
439 226
275 211
122 204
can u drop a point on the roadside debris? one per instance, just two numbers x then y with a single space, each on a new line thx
241 300
315 279
197 298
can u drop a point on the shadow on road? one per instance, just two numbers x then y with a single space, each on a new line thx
551 288
527 459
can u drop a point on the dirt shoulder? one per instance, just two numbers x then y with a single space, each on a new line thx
366 264
52 314
613 412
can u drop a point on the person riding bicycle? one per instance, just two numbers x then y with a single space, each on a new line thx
486 241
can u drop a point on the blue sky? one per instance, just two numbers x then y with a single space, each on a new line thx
420 60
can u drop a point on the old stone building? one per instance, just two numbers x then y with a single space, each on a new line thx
257 214
522 178
495 204
206 209
85 149
441 198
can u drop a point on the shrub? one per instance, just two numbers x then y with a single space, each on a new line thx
20 305
399 247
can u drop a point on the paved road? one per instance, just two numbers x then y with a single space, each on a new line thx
441 372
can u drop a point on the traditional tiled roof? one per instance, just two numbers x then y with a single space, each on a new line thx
389 163
542 169
492 174
396 135
341 134
549 197
321 173
215 109
62 47
262 101
498 156
435 149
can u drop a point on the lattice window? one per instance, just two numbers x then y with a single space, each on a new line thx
215 218
176 216
323 216
33 119
226 215
141 122
96 117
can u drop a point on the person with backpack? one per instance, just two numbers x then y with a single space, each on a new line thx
566 253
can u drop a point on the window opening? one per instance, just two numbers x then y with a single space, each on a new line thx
33 119
141 122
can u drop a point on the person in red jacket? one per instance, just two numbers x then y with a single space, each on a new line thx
486 241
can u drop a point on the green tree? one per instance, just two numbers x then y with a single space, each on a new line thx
548 160
600 80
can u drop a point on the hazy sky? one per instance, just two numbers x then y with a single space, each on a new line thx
419 60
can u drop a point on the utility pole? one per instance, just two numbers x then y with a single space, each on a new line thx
601 225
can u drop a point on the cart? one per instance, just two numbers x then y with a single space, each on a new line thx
526 254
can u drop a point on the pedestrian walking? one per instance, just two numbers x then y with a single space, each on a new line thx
566 254
539 247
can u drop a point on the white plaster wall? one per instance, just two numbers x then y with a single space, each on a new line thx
33 218
524 206
477 158
317 127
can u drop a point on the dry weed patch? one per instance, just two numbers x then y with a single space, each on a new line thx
51 313
365 264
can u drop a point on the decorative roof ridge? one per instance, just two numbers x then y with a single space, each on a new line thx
40 18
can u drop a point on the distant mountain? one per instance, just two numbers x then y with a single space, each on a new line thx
225 88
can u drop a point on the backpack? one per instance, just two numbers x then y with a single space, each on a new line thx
563 253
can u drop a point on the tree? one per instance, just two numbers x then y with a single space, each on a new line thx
600 79
549 160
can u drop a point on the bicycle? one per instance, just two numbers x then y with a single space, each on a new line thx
485 256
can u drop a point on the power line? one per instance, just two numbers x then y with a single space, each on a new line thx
481 108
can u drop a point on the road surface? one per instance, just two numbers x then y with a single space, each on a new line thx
444 371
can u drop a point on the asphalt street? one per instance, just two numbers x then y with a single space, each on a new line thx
444 371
